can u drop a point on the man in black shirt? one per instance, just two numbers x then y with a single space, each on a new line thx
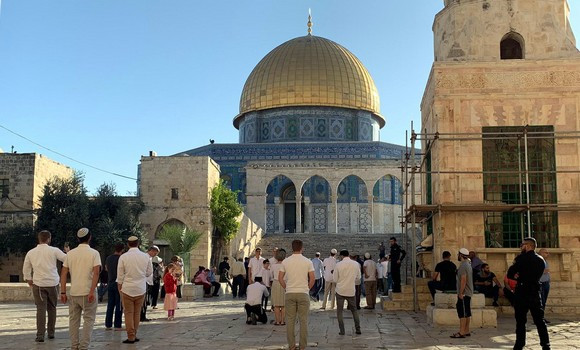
486 282
527 269
397 255
446 269
114 298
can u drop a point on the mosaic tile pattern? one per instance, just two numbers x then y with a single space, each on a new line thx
320 217
364 219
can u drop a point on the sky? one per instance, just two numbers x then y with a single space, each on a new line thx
105 82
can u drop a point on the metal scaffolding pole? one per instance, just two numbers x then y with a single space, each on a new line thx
413 228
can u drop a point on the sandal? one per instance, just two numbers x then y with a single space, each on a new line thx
457 335
468 335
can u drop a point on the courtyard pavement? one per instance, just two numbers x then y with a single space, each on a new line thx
219 323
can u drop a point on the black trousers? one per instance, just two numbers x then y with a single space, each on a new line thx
217 286
238 286
396 274
145 302
154 293
357 291
258 311
531 301
435 286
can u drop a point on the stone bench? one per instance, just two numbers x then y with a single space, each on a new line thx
444 313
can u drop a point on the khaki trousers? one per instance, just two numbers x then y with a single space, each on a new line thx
297 306
371 289
77 306
132 310
45 299
329 288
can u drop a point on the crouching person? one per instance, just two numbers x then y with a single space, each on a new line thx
254 310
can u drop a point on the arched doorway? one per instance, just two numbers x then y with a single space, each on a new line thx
281 205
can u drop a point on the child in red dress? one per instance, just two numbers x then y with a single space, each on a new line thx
170 285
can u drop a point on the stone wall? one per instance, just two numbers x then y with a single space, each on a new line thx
471 30
463 98
27 173
190 179
249 235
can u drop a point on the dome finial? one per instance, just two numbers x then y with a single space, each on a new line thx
309 22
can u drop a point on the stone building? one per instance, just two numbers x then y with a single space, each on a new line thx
22 179
500 130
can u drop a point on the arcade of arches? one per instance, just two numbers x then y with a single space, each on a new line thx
303 199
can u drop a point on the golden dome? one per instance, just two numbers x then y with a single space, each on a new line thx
310 71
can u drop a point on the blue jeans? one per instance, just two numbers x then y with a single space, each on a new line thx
114 305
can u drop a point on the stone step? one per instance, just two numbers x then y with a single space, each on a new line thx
409 296
323 243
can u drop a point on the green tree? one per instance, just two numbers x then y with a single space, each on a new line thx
225 211
18 239
63 209
181 241
113 219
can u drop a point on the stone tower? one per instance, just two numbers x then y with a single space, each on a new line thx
505 90
484 30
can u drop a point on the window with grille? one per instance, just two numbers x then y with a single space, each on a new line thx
505 175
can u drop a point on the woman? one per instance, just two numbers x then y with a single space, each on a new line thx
277 290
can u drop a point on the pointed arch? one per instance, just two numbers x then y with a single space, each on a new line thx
512 46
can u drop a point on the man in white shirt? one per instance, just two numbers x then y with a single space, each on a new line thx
153 251
346 275
297 277
254 311
84 265
273 258
132 272
329 286
370 271
40 272
255 265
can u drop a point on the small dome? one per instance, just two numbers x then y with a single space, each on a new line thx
309 71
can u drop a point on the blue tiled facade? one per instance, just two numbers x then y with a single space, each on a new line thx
232 159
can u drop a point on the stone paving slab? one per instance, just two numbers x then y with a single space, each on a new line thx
218 323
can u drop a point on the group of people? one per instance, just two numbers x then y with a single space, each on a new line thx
293 281
132 276
527 284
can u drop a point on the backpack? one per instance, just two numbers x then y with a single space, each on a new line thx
157 272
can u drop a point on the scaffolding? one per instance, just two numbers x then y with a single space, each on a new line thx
520 185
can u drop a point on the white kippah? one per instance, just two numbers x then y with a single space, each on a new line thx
82 232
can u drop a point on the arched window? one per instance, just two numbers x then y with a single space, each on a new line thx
512 47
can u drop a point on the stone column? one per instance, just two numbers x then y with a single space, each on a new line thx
308 219
280 208
298 213
332 215
371 200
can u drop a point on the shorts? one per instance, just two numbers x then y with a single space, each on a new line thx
464 307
